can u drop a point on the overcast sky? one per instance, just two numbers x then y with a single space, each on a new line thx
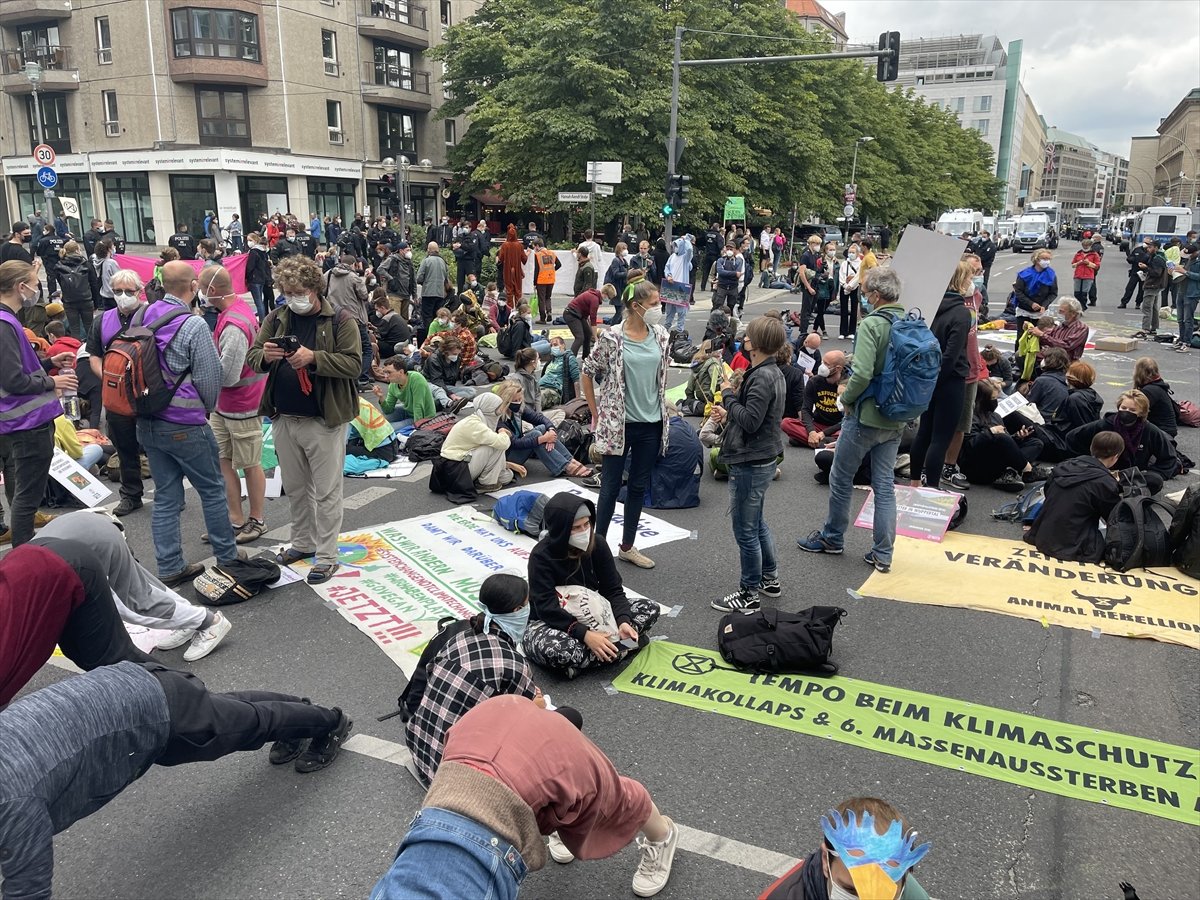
1090 66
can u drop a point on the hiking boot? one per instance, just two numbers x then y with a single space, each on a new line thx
41 519
251 531
558 850
654 868
324 750
953 479
870 559
207 639
457 404
1010 481
770 587
635 556
126 506
187 573
742 600
814 543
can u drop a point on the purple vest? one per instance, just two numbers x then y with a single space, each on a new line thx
21 412
110 326
186 406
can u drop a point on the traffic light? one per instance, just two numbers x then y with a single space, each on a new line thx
684 185
677 188
387 196
888 66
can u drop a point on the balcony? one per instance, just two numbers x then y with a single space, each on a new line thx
394 20
59 72
394 86
20 12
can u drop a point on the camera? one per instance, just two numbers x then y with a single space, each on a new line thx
289 343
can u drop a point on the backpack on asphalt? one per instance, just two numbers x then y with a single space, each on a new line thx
1137 535
236 581
424 445
771 641
682 349
132 382
903 389
1184 534
521 511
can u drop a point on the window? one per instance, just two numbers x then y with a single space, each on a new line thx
31 195
451 132
127 202
220 33
329 51
56 129
983 104
332 197
192 198
40 44
103 42
393 67
224 118
959 103
112 127
446 22
333 118
981 125
397 135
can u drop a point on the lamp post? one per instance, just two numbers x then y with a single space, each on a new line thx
865 139
403 181
33 71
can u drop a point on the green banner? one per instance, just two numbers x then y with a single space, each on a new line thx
735 209
1071 760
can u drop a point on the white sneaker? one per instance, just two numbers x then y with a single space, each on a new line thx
558 850
655 866
176 638
206 640
635 556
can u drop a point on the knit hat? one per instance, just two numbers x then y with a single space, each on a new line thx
54 309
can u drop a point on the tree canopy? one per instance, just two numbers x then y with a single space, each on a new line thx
553 84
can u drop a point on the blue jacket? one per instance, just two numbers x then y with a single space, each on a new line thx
1193 279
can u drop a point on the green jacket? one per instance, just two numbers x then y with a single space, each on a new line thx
335 369
415 398
870 351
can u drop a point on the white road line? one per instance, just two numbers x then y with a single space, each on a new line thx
365 496
703 843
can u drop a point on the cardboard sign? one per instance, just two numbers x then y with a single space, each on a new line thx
735 209
84 486
675 292
921 513
925 262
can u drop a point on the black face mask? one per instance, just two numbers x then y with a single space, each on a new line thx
1127 417
514 408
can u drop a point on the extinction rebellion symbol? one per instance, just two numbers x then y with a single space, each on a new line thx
693 664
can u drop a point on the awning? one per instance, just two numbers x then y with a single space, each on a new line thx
488 198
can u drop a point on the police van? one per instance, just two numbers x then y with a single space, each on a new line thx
1162 223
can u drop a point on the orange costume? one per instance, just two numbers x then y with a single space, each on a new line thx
512 258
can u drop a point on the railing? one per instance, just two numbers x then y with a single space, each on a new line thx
51 57
384 75
411 14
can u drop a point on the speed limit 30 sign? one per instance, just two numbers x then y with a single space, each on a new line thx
44 155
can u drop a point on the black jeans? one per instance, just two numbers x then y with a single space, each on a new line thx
206 726
122 431
1134 282
25 457
581 330
938 424
79 319
985 457
643 443
94 634
429 308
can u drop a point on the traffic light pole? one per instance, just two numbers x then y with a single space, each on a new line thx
673 134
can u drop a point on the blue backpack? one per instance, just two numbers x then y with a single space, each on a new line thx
521 511
903 389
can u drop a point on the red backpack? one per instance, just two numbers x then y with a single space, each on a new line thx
132 382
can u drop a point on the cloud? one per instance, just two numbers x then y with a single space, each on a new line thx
1092 67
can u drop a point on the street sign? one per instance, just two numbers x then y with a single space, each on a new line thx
849 197
574 196
603 172
848 210
44 155
604 190
47 177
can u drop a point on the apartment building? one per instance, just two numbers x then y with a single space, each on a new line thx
161 110
1070 172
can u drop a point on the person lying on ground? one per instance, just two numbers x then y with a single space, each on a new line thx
512 772
531 434
1146 447
1080 494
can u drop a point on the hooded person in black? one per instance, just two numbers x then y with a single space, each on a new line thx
1145 446
569 553
1080 493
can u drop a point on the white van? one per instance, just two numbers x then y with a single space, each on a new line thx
1162 223
1030 232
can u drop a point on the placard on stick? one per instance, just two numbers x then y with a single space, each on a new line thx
925 262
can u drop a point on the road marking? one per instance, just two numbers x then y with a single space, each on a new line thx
369 495
702 843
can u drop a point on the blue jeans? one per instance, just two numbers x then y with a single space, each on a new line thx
542 346
854 444
447 855
367 353
673 316
748 483
175 451
555 461
1187 318
399 417
256 292
643 443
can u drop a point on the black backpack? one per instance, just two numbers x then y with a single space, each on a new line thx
506 340
423 445
771 641
75 284
682 349
1184 535
1137 536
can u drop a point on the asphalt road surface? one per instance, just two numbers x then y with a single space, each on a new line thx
750 796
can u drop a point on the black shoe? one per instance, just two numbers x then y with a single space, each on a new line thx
283 752
1122 305
187 574
1010 481
126 506
324 750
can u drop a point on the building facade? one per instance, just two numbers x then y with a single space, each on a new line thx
162 111
1030 155
1163 166
1143 160
817 19
1070 172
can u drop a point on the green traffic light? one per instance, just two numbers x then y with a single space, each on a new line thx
668 209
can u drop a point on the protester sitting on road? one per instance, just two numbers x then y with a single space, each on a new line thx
1081 407
408 396
834 870
443 371
1049 390
1146 447
440 323
573 553
1071 335
474 440
392 331
524 375
1148 380
464 664
560 377
998 366
713 430
141 599
1080 494
70 748
532 434
820 419
990 455
510 773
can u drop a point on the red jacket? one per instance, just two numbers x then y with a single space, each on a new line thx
1080 260
587 304
63 345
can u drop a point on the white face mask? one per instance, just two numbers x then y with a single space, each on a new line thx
837 892
652 316
1042 263
300 304
823 370
443 321
581 540
126 304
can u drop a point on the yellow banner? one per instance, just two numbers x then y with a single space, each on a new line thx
1012 578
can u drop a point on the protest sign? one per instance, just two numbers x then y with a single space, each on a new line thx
1040 754
82 485
1012 578
921 513
735 209
925 262
676 293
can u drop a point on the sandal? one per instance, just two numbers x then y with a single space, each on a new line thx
578 470
322 573
292 555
